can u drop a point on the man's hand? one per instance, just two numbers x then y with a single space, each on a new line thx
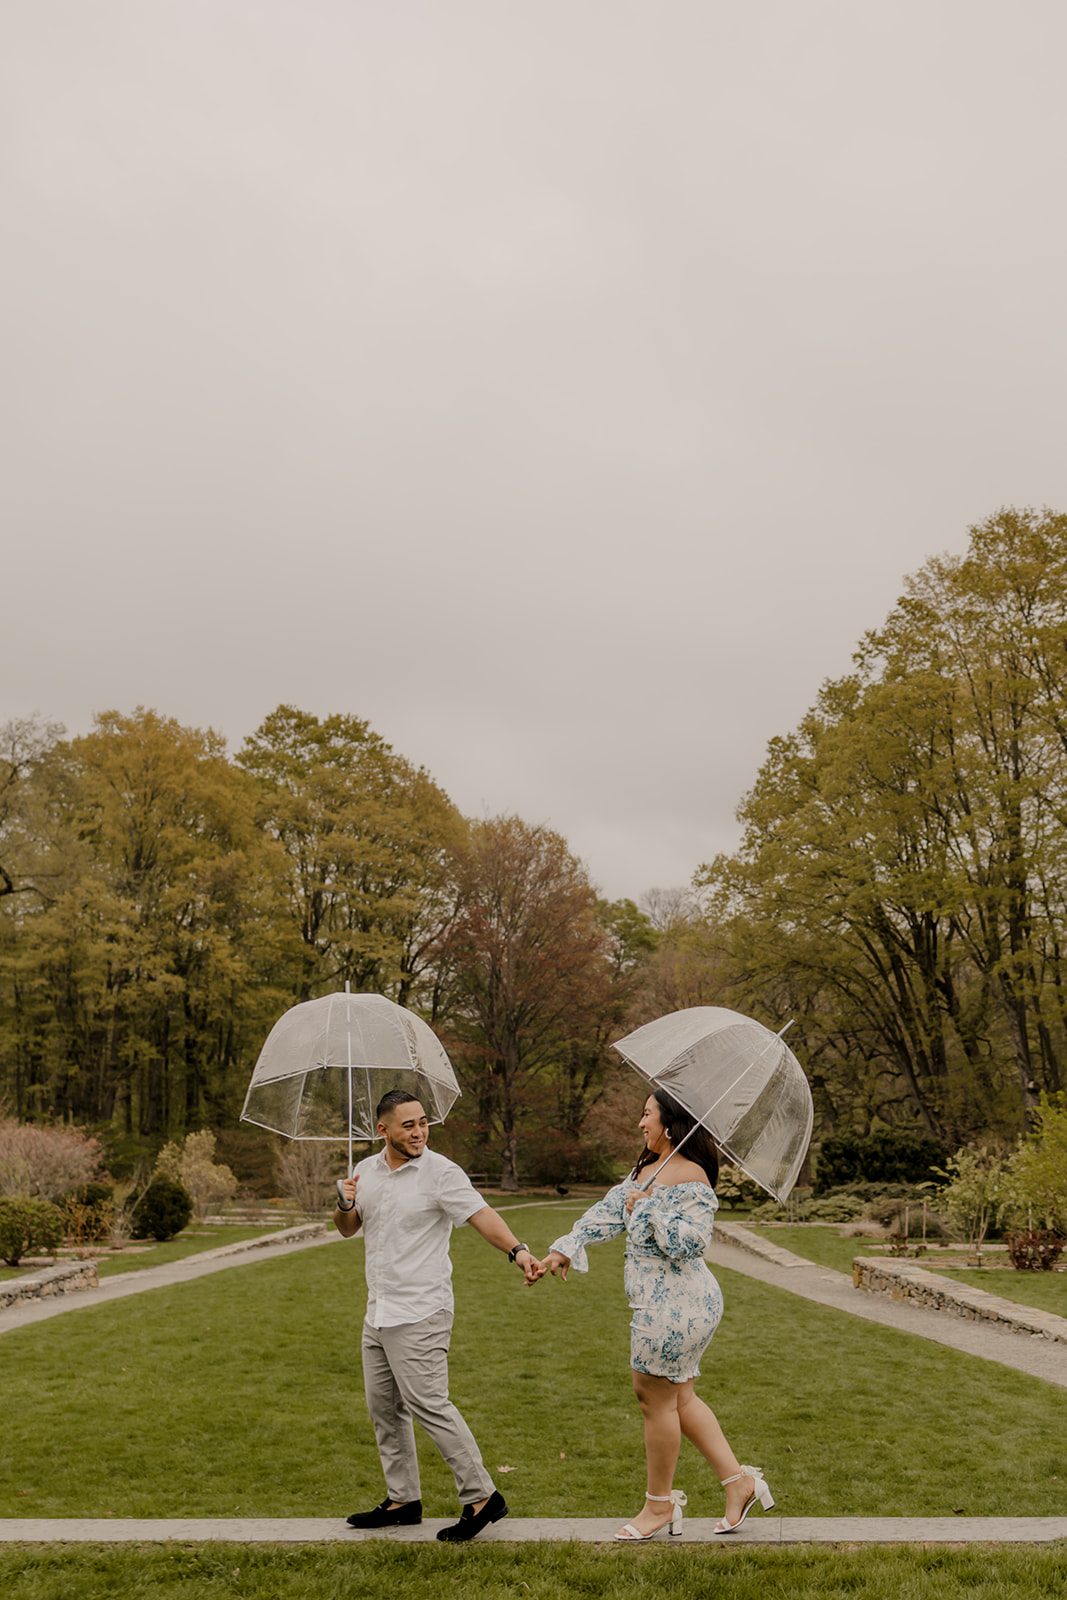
532 1269
348 1223
556 1262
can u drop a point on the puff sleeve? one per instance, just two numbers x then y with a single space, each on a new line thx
679 1226
605 1220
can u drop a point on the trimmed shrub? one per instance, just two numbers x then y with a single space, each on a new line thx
835 1208
29 1227
892 1210
162 1211
890 1156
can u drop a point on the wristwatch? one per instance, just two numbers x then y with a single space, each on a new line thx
513 1253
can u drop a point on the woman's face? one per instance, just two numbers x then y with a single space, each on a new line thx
651 1126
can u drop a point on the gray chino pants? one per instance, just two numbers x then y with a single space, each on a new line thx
405 1376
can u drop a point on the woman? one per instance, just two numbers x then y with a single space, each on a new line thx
676 1305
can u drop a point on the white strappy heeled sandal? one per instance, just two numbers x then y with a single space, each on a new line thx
760 1492
676 1499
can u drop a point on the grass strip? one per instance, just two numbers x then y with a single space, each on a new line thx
530 1572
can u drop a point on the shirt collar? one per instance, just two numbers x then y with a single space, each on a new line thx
394 1172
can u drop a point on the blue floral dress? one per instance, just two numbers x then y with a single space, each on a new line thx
675 1300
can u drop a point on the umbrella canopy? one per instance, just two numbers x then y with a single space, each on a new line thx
738 1079
327 1063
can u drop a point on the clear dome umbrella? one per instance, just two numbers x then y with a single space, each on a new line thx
326 1063
738 1079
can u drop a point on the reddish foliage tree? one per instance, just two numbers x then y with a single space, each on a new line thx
528 974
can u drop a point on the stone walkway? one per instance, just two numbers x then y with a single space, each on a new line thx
1041 1358
523 1530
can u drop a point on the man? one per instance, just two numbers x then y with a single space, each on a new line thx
407 1199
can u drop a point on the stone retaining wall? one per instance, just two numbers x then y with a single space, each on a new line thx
67 1279
296 1235
903 1281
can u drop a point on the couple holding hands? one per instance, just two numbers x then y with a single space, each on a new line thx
406 1199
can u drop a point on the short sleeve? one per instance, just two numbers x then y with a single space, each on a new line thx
457 1196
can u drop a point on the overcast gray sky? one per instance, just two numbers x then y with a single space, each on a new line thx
562 387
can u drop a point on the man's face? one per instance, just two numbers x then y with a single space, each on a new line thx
405 1130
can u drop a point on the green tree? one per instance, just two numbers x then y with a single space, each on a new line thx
902 873
365 838
129 991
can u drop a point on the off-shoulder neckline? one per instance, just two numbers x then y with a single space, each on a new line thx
687 1183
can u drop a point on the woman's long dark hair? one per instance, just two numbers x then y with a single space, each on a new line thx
677 1123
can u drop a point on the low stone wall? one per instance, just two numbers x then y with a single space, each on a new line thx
302 1232
903 1281
67 1279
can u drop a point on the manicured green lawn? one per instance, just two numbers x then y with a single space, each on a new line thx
528 1572
241 1394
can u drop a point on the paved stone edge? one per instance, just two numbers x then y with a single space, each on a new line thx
756 1245
903 1281
520 1530
68 1278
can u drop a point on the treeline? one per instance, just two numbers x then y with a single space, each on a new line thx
162 903
901 888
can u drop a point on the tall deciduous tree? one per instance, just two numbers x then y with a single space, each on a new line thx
528 974
365 838
129 987
903 871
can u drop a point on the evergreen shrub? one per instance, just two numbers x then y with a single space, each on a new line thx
29 1227
163 1210
892 1155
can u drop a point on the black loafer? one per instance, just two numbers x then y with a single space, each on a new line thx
472 1522
382 1517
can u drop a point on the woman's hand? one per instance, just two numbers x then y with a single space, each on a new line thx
635 1194
554 1261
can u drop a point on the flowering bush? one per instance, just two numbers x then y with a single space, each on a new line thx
40 1159
192 1164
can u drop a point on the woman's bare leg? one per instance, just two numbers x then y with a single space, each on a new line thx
658 1399
701 1427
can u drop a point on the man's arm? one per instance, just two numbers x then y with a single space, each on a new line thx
492 1226
348 1223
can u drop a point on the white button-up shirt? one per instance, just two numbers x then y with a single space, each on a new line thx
407 1217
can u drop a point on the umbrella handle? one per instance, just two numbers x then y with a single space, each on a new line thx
648 1181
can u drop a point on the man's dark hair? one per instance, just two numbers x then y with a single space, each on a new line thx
390 1101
